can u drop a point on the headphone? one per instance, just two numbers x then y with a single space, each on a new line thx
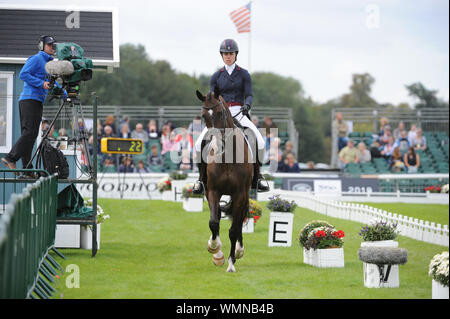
41 42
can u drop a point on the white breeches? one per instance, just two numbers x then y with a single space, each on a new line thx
244 121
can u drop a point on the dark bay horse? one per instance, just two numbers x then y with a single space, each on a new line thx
229 171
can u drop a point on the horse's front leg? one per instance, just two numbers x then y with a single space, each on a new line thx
214 243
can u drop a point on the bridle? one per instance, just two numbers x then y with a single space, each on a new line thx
225 134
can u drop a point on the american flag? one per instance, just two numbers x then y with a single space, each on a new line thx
241 18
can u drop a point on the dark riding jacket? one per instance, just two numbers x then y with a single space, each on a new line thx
236 88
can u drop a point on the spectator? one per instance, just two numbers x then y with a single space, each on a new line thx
384 122
384 138
255 121
291 165
412 133
363 153
349 154
125 131
288 149
419 142
140 168
108 131
196 126
125 121
99 128
62 132
274 154
268 125
154 158
108 165
395 162
167 139
402 142
110 121
139 133
186 164
388 148
310 165
375 149
397 132
152 130
341 129
127 165
411 160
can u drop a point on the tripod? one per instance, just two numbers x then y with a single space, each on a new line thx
80 135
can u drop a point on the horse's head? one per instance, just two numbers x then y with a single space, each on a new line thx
214 110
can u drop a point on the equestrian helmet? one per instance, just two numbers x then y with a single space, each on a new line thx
229 45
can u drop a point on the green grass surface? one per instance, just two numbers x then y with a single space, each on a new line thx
154 249
427 212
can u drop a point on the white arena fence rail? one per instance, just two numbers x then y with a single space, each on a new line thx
414 228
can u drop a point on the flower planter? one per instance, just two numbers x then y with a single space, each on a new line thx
307 256
438 290
67 236
193 204
327 258
167 195
177 189
280 229
372 273
86 237
248 226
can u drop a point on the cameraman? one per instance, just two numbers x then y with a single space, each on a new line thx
31 103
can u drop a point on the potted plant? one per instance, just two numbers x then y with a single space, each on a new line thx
303 237
254 213
378 233
191 202
438 270
165 188
178 180
281 221
86 231
325 244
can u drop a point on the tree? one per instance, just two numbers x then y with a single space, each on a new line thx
360 90
426 98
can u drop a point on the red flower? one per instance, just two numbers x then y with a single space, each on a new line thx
255 218
339 234
252 212
167 182
190 190
320 233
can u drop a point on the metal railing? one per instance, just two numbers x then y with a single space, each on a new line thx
27 233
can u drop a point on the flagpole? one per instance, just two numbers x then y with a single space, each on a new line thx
250 42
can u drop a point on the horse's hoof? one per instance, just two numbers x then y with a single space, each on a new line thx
214 246
218 259
239 251
213 251
230 266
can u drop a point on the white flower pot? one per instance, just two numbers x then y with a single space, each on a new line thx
67 236
307 256
372 273
327 258
193 204
439 291
167 195
86 237
280 229
248 226
177 189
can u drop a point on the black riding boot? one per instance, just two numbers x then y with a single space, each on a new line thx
199 186
258 179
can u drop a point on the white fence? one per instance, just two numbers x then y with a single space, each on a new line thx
410 227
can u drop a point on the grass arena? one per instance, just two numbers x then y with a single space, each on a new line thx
155 249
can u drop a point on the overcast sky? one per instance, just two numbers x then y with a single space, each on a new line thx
320 43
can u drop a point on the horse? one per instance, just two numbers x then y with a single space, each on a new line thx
232 177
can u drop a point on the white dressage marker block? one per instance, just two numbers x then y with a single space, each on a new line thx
177 189
372 272
67 236
327 258
438 290
193 204
280 229
168 196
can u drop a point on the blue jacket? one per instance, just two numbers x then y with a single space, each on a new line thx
234 88
34 75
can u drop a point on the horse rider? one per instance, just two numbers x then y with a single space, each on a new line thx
235 86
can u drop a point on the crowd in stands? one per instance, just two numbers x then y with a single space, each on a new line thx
400 148
160 145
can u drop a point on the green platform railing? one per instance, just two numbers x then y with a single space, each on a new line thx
27 233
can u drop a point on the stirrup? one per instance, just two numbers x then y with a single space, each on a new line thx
260 188
225 208
199 188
